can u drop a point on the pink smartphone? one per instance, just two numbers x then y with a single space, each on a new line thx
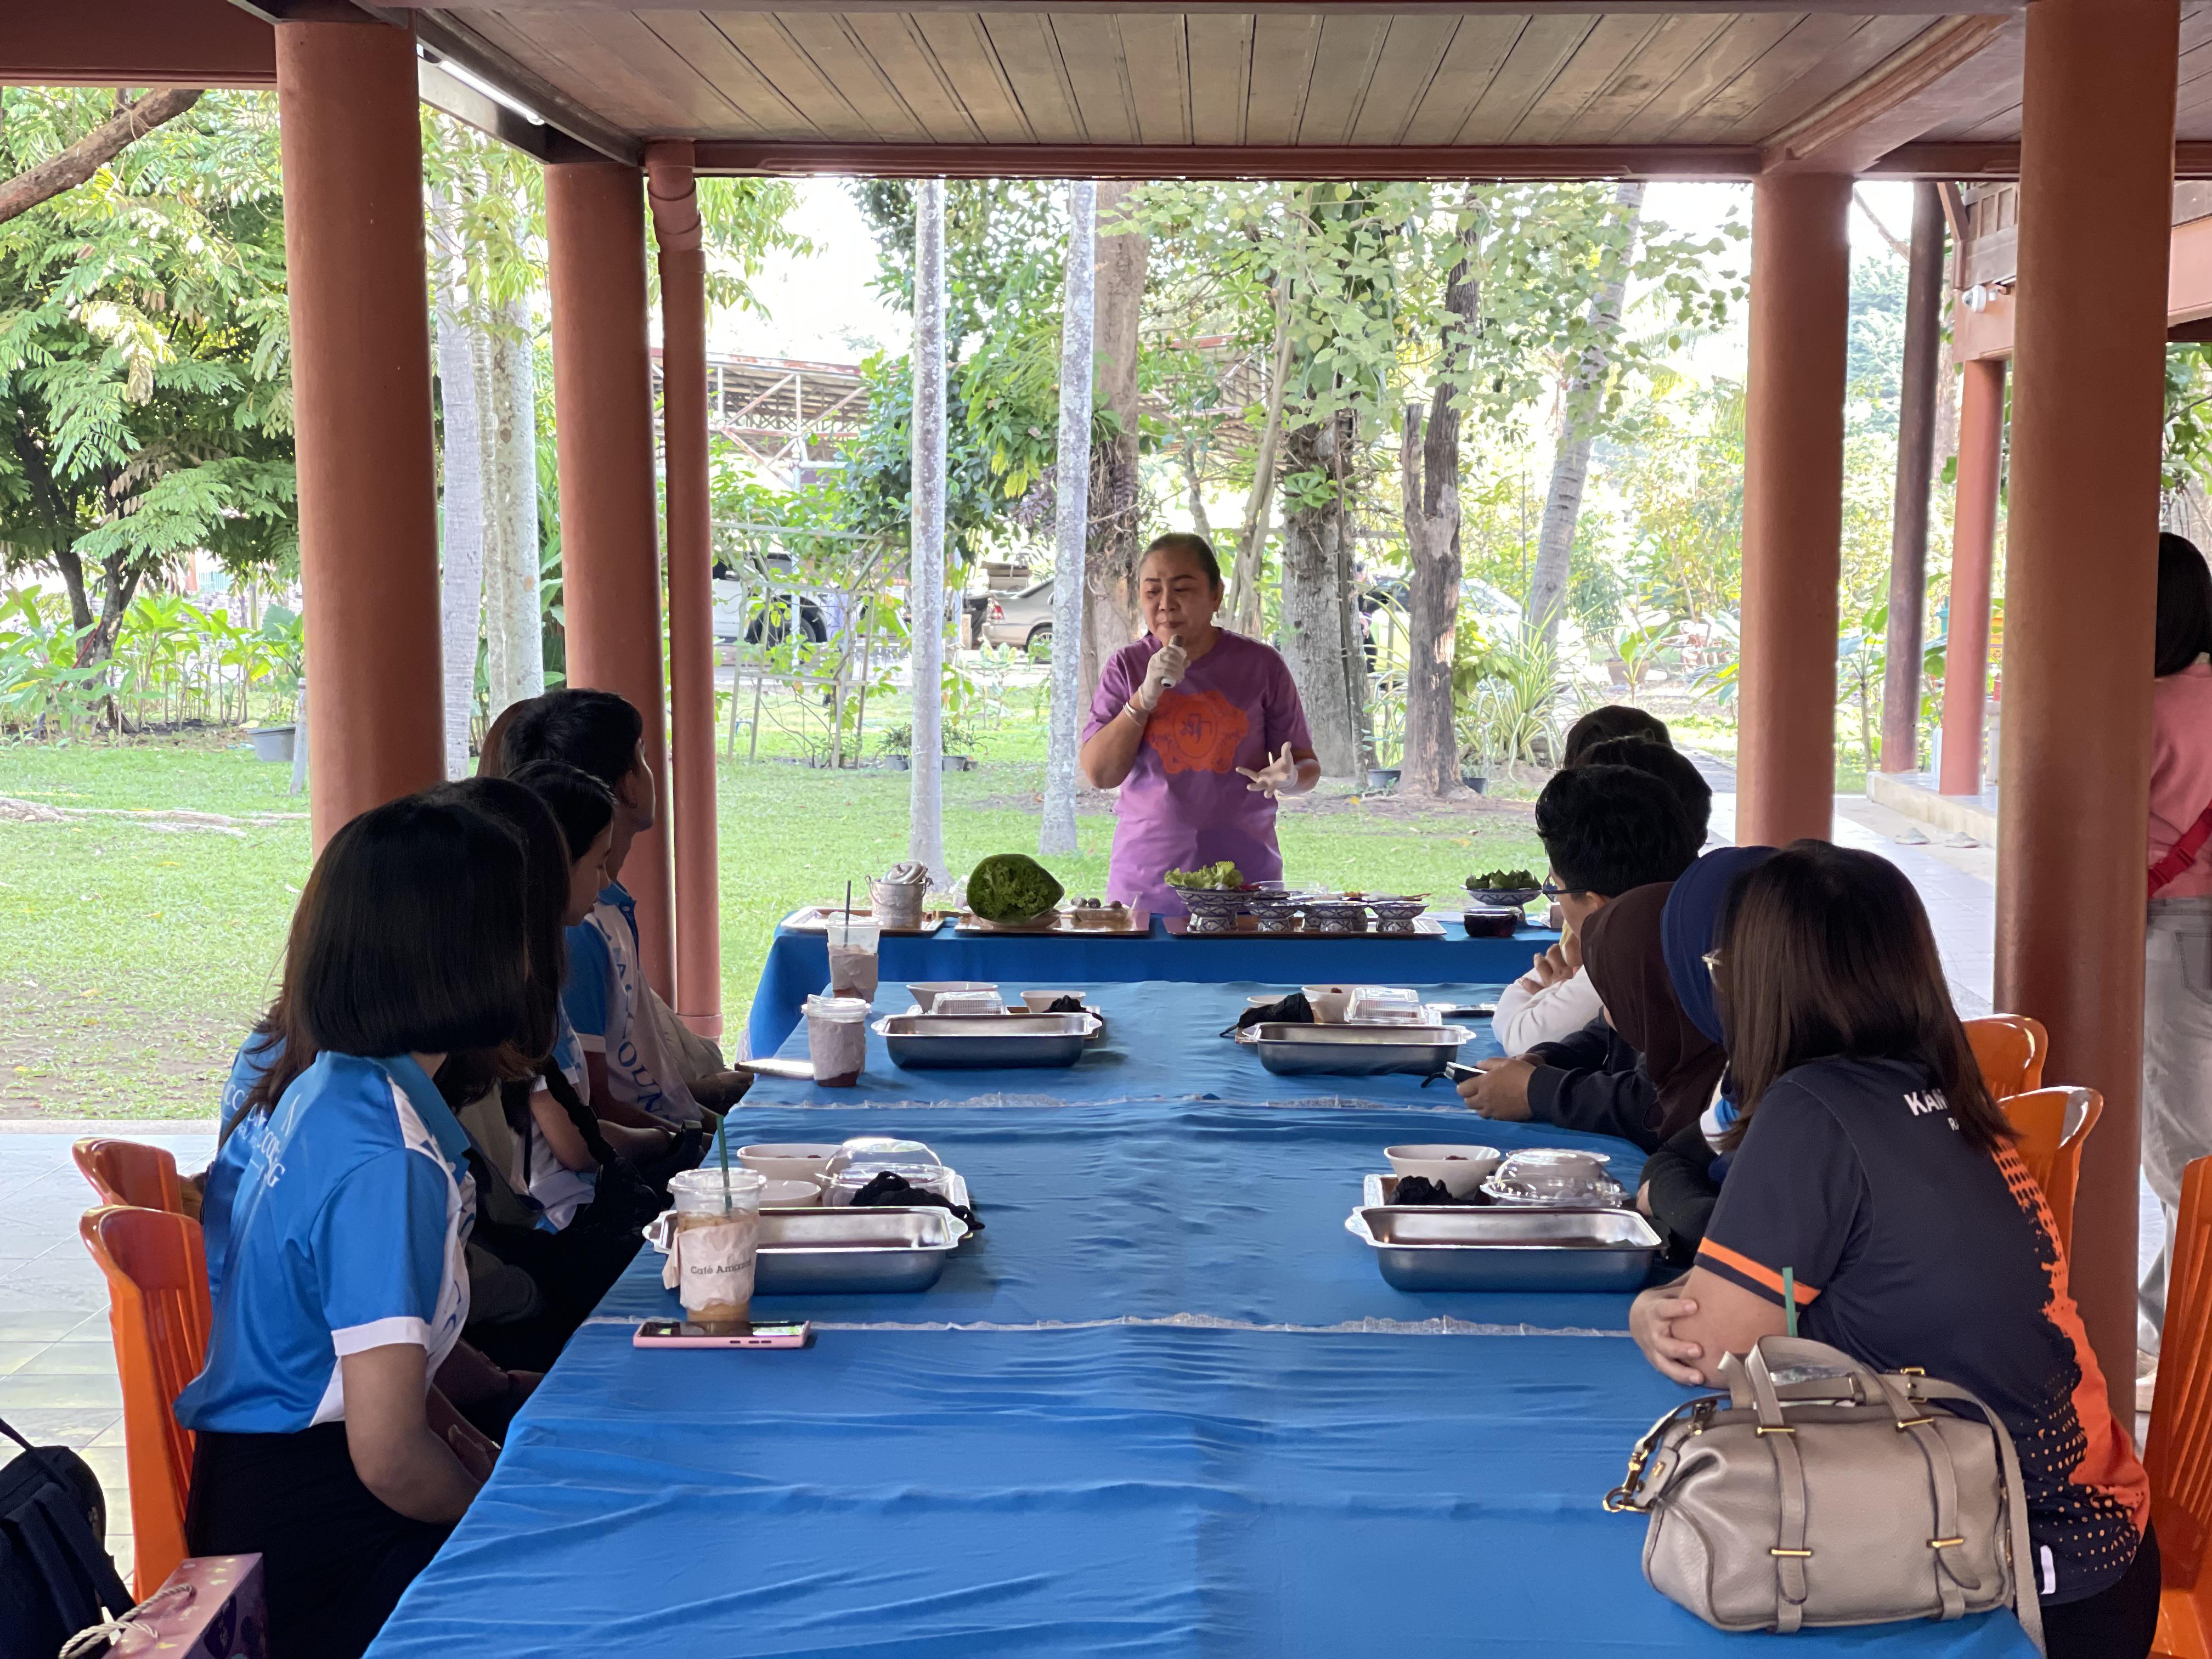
677 1333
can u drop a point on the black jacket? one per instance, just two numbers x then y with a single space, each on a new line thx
1594 1081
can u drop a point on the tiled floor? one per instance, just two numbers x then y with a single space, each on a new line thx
57 1385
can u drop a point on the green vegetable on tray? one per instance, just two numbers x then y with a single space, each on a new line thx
1221 875
1012 887
1502 881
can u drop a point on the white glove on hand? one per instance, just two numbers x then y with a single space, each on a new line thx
1273 778
1167 667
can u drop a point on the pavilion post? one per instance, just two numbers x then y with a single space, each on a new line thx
602 412
360 355
1793 505
2096 199
1973 553
1915 465
926 575
673 190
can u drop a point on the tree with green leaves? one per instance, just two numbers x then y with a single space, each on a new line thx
144 353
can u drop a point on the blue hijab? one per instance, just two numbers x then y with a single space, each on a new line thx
1689 927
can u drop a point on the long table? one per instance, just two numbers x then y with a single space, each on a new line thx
1163 1405
798 965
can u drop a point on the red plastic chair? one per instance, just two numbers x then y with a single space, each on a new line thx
2010 1048
2178 1452
2052 1123
130 1172
158 1308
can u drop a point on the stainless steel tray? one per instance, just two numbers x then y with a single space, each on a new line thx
1379 1189
1297 1050
984 1041
853 1252
1449 1248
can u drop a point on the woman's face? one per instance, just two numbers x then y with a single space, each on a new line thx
587 876
1175 594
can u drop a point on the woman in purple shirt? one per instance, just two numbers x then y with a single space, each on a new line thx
1201 730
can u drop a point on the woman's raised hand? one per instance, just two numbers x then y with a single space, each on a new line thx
1274 777
1166 668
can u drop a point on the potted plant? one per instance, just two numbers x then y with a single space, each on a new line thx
898 749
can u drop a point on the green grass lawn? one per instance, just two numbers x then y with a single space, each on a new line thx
133 956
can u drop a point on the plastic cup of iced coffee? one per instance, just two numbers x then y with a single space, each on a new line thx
837 1039
852 957
717 1235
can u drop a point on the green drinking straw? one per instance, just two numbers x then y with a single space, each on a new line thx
1789 1300
722 1144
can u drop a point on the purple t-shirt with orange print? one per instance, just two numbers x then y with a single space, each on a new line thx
1184 804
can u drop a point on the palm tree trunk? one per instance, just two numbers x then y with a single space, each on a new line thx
513 624
926 579
461 593
1056 831
1109 573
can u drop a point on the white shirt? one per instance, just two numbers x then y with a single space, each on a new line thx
1528 1014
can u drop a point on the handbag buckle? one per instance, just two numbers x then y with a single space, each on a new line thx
1945 1543
1794 1555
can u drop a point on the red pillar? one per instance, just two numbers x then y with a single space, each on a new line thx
674 193
1973 551
1793 507
602 409
361 404
2080 584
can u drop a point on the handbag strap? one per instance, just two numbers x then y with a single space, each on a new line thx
2025 1603
2183 854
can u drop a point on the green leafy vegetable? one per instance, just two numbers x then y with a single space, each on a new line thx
1012 887
1221 875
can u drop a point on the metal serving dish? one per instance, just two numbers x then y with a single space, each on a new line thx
984 1041
851 1252
1298 1050
1456 1247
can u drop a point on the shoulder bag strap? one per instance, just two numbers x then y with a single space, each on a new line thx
2025 1601
2183 854
564 1096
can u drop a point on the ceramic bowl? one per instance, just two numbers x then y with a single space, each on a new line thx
1040 1002
1490 921
789 1160
1459 1168
924 991
1328 1002
1513 899
791 1195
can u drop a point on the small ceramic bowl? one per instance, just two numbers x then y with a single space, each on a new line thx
1328 1002
924 991
1459 1168
789 1161
1040 1002
791 1195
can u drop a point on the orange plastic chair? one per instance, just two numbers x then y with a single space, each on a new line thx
158 1308
2010 1048
129 1172
2052 1123
2178 1452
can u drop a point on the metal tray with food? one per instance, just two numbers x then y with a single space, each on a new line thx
1294 1050
1376 1190
1475 1247
818 918
984 1041
1091 923
848 1252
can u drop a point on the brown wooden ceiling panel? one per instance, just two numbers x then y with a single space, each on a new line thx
1283 48
1545 48
1091 54
567 56
764 111
1157 55
1344 64
894 44
622 41
838 57
1742 42
1610 47
1770 80
769 47
1672 48
1478 51
1031 61
1412 53
1219 58
964 54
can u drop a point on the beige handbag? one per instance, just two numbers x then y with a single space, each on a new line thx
1817 1492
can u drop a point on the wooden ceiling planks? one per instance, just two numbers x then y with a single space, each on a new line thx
1545 48
1217 55
962 51
1028 53
1282 49
1610 47
1477 52
1741 42
694 38
1156 48
894 40
1343 68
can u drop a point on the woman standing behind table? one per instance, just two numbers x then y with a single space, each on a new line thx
2177 1102
1200 728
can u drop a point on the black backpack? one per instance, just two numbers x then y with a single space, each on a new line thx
56 1576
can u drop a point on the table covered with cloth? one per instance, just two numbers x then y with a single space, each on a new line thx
798 965
1164 1405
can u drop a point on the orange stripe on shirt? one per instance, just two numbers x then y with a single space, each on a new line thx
1755 1270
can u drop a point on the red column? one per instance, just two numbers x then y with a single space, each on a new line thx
2080 584
602 409
1973 550
1793 507
674 194
360 406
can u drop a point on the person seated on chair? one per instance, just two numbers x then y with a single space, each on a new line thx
634 1047
1554 999
1873 1183
321 1443
1607 829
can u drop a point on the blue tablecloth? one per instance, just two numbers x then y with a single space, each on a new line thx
1152 1209
798 964
1206 1494
1163 1040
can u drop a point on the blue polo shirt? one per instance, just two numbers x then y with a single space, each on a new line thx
346 1232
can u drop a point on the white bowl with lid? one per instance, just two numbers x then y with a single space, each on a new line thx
1458 1170
790 1160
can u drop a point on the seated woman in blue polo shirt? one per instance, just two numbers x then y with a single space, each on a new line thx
344 1286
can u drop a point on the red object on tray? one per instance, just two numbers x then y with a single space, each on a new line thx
212 1606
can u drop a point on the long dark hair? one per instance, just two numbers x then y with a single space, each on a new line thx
1825 953
2185 605
579 803
410 937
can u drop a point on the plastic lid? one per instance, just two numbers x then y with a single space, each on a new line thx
708 1179
840 1007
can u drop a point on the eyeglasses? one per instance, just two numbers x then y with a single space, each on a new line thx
1552 890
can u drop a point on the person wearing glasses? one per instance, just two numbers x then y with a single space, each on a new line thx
1607 830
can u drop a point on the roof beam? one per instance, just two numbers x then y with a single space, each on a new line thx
1148 162
1930 9
1958 64
1944 159
136 43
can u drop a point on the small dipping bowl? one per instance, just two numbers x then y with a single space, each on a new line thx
1040 1002
790 1161
779 1194
1460 1169
1328 1002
